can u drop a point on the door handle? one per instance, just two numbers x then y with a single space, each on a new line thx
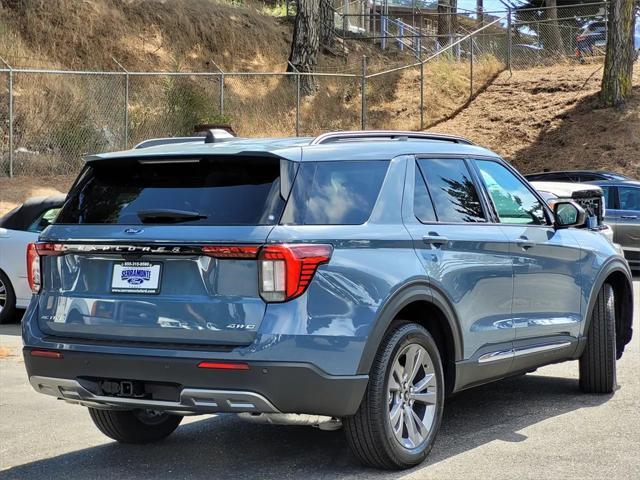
436 240
629 217
524 243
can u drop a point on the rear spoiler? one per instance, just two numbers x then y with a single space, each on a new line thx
214 135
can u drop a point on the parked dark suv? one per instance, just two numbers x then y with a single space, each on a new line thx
356 277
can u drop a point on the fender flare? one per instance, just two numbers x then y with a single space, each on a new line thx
613 265
417 290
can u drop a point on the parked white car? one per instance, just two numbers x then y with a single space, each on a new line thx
588 197
18 228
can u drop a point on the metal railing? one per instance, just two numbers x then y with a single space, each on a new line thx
50 118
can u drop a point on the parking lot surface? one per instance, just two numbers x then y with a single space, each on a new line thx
533 426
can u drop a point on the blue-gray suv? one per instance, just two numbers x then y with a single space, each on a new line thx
356 278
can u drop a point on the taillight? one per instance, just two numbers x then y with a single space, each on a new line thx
33 268
286 270
34 252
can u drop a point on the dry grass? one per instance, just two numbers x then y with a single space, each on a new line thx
549 117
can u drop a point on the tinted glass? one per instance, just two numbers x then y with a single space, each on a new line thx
452 190
629 198
513 201
335 193
223 191
422 206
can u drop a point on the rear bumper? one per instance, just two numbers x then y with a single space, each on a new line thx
266 387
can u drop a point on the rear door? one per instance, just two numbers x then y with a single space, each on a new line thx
465 256
163 251
547 262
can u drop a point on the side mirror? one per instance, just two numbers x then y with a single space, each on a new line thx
568 214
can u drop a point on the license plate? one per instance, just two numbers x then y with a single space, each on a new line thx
136 277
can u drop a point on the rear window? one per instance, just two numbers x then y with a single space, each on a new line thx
209 191
335 193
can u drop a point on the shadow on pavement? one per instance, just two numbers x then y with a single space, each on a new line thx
225 447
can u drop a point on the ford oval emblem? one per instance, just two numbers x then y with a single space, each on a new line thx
134 231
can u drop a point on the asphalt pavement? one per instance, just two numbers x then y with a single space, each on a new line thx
534 426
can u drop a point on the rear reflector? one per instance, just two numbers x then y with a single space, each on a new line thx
45 354
224 365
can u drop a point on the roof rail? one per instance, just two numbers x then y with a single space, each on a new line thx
333 137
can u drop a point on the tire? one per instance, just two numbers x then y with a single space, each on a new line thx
369 432
598 361
7 299
134 426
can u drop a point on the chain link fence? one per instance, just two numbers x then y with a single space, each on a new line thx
49 119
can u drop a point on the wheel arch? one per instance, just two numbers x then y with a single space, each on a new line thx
617 274
423 304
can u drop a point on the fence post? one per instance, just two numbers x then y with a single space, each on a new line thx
10 86
471 68
509 38
222 84
421 95
383 32
363 94
297 97
126 103
297 103
10 122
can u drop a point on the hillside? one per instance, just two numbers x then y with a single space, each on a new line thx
549 118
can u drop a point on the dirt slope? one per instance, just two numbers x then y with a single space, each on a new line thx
549 118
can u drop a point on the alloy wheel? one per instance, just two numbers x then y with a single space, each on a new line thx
3 295
412 393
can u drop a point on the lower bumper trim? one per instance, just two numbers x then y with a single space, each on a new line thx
192 400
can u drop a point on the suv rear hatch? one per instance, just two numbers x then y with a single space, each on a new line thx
162 250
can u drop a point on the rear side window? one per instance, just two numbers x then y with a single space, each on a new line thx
208 191
335 193
454 195
422 205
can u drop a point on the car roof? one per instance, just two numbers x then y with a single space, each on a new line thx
303 149
588 172
632 183
21 217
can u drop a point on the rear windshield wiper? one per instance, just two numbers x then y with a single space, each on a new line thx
168 216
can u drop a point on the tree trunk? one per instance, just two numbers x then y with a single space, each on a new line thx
444 23
305 43
618 63
327 27
554 38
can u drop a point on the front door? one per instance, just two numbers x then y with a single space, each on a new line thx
547 263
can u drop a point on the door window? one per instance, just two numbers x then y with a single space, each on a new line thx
513 201
629 198
454 195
